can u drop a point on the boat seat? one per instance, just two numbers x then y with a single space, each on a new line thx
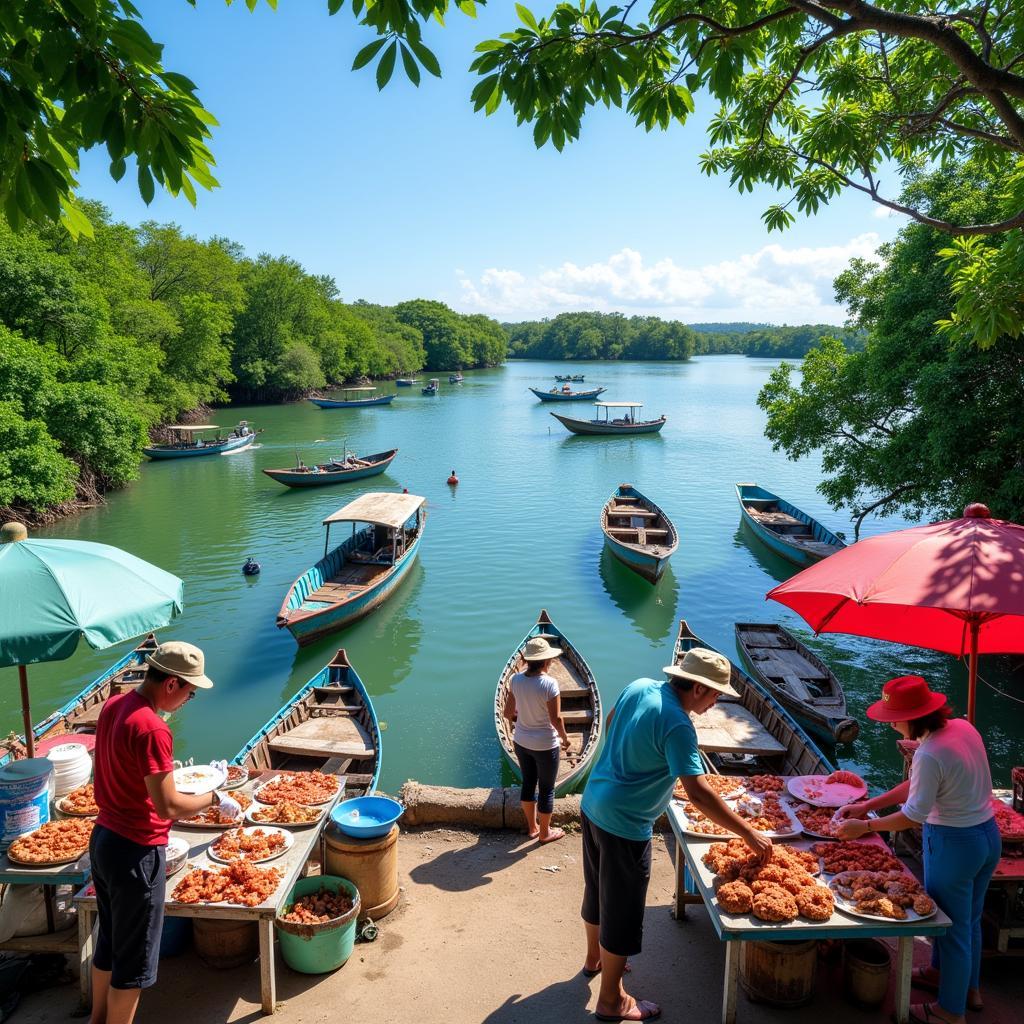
645 513
797 687
583 717
730 728
334 736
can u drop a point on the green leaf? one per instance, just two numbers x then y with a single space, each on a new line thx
367 53
43 187
75 221
411 67
333 6
146 188
527 18
386 67
425 57
117 168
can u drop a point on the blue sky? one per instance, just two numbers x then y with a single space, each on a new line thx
408 193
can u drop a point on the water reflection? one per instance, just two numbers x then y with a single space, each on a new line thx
651 609
774 565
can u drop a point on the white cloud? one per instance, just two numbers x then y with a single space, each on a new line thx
774 284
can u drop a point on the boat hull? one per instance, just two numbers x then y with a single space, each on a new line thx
325 479
649 564
234 444
405 383
794 553
359 403
598 428
578 396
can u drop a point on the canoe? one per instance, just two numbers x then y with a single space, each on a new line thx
353 403
567 396
754 735
581 706
329 726
784 528
798 679
628 423
637 532
361 572
189 447
353 467
406 382
82 711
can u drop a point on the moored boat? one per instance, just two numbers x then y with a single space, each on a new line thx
784 528
600 426
455 378
329 726
354 398
752 735
798 679
432 388
567 395
191 443
575 378
637 532
406 382
351 467
580 701
362 571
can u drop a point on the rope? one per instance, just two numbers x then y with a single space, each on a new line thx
991 686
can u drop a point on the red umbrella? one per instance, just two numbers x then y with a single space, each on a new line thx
956 586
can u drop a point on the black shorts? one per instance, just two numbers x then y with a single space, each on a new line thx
616 873
130 883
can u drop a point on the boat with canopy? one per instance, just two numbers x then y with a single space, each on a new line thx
189 442
613 418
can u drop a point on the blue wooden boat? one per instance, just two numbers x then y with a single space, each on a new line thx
355 402
329 726
406 382
341 470
752 734
576 378
82 711
432 388
192 445
603 426
564 395
455 378
784 528
638 533
361 572
581 705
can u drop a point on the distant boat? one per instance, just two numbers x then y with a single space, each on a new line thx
784 528
574 379
351 467
191 446
406 382
559 395
628 423
798 679
361 572
455 378
432 388
581 705
638 533
329 726
353 402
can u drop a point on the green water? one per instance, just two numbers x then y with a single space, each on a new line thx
520 532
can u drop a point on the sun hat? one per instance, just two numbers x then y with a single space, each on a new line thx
709 668
183 660
538 649
905 698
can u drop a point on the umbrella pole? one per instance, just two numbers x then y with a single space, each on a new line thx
26 712
972 673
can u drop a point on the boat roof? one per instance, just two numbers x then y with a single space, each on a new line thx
360 388
194 426
382 508
620 405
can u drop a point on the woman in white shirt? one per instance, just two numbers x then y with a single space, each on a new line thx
534 703
949 793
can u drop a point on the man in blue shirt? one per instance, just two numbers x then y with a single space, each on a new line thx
649 743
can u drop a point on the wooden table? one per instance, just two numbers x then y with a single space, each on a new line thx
695 884
293 864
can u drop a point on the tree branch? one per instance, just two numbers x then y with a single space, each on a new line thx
904 489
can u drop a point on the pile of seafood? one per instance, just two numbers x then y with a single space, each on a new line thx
239 882
54 842
318 907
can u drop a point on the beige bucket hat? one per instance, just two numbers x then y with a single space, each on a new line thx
538 649
183 660
709 668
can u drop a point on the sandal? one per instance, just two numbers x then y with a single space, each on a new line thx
553 836
642 1009
927 1016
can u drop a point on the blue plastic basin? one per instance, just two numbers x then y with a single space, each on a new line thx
366 817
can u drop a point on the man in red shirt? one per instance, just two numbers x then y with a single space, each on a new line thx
138 800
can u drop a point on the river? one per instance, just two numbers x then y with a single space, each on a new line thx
521 532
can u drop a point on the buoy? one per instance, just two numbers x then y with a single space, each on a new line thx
251 567
453 479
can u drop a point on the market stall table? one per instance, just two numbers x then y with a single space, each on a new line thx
292 864
695 884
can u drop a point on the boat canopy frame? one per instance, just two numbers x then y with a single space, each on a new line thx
377 508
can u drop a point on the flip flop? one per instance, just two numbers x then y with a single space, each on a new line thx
929 1016
553 836
919 979
640 1005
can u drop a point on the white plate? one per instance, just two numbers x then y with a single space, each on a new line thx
255 806
239 782
318 803
813 789
794 832
197 779
846 906
289 841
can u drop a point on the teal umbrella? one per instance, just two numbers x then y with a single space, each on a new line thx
58 591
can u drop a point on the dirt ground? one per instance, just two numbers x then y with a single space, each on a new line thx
488 933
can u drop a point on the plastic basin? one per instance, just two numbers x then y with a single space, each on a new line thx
367 817
318 948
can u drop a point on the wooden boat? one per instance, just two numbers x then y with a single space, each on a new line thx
82 711
432 388
565 395
784 528
351 467
628 423
798 679
406 382
455 378
754 735
576 378
361 572
360 399
581 705
329 726
190 445
637 532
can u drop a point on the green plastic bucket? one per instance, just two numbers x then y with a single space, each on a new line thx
318 948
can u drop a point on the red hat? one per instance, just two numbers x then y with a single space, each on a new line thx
905 698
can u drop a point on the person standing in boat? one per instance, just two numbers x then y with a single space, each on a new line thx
534 703
949 793
138 800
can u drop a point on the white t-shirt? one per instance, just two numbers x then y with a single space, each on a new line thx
533 723
950 780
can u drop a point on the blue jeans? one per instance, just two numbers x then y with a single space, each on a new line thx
958 863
